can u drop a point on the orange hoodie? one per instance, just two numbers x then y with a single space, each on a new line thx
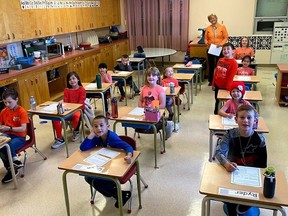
220 38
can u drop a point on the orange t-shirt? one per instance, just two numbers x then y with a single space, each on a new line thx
14 118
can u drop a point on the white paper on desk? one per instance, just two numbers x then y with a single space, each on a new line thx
248 176
213 50
50 108
244 78
228 121
90 168
239 193
131 118
138 111
123 72
91 86
97 159
108 153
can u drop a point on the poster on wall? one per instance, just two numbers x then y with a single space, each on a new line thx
56 4
4 57
279 53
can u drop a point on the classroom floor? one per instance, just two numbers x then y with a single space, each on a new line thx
173 188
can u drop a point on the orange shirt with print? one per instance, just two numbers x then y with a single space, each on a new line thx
14 118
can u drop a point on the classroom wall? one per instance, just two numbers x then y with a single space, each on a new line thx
237 16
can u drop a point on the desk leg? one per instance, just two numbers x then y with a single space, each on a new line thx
138 184
205 209
210 145
178 107
155 145
201 75
119 194
189 96
138 67
11 164
65 188
83 125
174 117
164 134
103 104
192 86
125 91
63 123
197 82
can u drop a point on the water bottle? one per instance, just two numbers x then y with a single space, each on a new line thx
98 81
269 187
172 88
114 107
32 103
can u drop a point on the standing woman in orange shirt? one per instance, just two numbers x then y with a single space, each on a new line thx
214 34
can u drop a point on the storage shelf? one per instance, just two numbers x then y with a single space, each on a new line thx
53 80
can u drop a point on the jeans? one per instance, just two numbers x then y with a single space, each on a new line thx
104 186
15 143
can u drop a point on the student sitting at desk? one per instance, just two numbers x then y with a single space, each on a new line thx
74 93
13 124
105 78
230 107
167 79
100 135
242 146
244 50
152 90
245 70
124 65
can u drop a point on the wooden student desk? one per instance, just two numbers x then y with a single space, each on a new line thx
222 179
4 143
193 67
251 96
125 117
123 75
139 61
186 78
113 170
43 113
248 80
216 126
92 88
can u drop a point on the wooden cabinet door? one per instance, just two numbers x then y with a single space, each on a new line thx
106 56
58 21
116 20
36 23
119 49
11 28
35 84
75 19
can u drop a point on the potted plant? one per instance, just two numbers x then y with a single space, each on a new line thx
269 182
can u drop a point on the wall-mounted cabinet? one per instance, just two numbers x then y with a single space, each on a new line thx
18 24
11 28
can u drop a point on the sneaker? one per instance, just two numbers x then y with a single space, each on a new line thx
58 143
76 136
122 98
247 210
137 92
108 115
8 177
126 195
17 164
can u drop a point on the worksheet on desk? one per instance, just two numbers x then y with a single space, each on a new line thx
138 111
101 157
248 176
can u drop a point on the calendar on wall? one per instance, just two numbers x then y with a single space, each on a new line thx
279 49
53 4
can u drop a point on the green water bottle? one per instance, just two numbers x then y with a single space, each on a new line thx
98 81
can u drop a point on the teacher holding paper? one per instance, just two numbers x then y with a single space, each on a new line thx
214 34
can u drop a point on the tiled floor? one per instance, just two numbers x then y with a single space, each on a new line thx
173 188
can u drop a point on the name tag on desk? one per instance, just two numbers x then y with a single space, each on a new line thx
239 193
